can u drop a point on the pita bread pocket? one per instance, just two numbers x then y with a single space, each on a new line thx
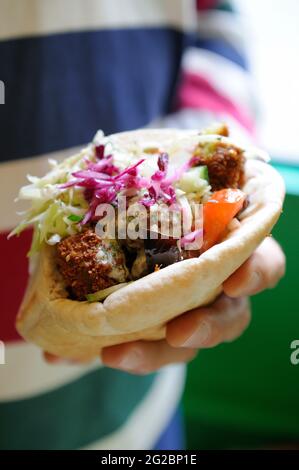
85 292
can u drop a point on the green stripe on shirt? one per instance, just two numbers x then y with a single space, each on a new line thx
74 415
225 5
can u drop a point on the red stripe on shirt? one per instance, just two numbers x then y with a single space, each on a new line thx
13 279
197 92
206 4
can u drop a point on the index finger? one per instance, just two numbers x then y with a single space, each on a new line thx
261 271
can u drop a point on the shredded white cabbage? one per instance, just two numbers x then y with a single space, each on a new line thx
51 205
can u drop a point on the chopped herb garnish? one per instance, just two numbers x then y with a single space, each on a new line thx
75 218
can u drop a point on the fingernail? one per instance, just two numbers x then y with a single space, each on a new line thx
131 360
200 336
254 281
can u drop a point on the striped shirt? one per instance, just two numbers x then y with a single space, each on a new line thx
69 67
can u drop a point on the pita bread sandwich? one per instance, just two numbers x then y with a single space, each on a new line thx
136 229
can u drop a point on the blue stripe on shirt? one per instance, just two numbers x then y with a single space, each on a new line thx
224 49
61 88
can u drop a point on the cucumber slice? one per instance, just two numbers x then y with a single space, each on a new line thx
203 172
102 294
195 180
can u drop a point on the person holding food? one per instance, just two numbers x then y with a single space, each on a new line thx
140 64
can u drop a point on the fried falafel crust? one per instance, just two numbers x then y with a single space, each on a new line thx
85 268
226 166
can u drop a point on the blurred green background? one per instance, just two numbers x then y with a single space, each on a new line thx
246 394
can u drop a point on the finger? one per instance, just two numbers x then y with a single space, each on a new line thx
51 359
143 357
261 271
206 327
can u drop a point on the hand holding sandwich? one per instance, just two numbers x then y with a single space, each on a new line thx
205 327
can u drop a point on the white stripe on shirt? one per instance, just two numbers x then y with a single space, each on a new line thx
21 18
26 374
223 25
225 76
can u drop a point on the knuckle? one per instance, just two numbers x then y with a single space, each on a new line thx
262 279
223 303
216 334
273 269
227 321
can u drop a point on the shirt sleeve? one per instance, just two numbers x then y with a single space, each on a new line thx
214 83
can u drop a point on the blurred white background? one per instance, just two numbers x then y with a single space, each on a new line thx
273 35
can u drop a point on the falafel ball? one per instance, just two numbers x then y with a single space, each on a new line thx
89 264
225 164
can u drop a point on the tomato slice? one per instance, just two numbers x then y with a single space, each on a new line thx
218 211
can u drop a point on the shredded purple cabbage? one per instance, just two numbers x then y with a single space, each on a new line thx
190 237
102 181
